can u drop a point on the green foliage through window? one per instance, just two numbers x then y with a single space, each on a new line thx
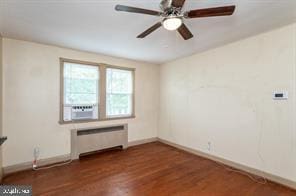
119 92
80 84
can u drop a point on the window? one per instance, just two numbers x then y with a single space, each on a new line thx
84 84
119 92
81 84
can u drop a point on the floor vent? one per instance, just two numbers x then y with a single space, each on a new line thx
97 138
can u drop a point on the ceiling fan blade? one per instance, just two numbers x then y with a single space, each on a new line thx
150 30
178 3
208 12
185 32
136 10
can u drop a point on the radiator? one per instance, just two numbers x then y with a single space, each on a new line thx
97 138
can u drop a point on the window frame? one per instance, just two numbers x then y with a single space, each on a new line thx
102 113
133 91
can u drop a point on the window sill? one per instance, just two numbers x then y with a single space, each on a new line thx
96 120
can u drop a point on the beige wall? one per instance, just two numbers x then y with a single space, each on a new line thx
31 100
224 96
1 110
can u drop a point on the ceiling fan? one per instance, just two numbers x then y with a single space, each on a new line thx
173 16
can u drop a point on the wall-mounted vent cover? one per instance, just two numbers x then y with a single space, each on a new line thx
100 130
97 138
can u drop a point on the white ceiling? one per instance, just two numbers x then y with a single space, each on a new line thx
93 25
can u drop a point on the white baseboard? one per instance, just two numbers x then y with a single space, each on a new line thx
52 160
28 165
271 177
143 141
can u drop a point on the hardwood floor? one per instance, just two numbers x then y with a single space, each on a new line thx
148 169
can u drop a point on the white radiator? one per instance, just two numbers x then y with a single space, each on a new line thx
97 138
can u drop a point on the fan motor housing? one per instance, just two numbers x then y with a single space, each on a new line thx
165 4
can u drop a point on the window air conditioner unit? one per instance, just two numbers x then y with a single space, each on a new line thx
82 112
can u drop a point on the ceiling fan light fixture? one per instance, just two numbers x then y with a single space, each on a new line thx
172 23
172 16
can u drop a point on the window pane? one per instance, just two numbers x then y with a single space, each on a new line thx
80 91
119 81
119 92
80 84
78 71
119 104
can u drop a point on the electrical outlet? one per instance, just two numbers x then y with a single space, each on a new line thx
209 146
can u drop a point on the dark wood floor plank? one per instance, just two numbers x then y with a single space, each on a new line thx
149 169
